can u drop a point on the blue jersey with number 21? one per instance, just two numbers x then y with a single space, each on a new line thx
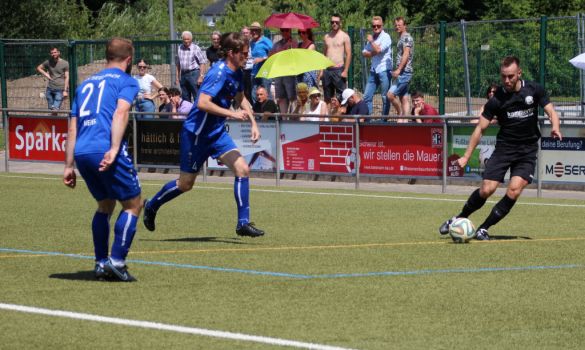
95 101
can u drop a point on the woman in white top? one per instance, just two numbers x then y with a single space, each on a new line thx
316 106
145 98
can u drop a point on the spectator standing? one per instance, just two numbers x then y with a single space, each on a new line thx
420 107
191 66
337 47
248 67
145 98
379 49
263 104
95 143
56 70
285 86
355 104
179 106
309 78
211 51
260 50
403 72
165 101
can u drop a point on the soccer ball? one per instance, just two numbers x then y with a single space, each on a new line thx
461 230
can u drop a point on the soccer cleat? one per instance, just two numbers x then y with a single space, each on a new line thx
249 230
444 229
482 235
100 273
148 216
118 273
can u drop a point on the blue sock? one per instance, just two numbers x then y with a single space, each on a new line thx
168 192
123 234
242 195
100 229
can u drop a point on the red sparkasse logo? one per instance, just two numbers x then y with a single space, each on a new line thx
37 139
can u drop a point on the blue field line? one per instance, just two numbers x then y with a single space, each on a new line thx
321 276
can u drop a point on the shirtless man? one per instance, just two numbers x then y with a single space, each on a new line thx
338 49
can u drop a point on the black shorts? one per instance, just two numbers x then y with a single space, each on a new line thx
520 159
333 82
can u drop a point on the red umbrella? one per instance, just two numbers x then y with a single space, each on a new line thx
290 20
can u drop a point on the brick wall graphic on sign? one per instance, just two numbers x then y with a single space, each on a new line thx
337 148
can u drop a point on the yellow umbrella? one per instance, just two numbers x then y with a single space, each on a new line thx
293 62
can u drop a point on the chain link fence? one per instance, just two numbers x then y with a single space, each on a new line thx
472 53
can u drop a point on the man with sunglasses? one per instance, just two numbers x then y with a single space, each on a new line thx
285 87
260 47
379 49
337 47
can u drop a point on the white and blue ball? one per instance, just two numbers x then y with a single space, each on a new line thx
462 230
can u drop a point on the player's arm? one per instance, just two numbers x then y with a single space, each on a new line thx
119 122
69 177
554 121
206 104
474 140
66 87
244 104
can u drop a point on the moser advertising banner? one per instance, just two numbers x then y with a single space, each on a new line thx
563 161
313 147
158 141
398 150
260 155
458 142
37 138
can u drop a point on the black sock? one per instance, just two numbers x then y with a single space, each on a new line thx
500 210
474 202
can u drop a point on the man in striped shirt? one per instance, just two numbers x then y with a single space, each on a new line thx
191 67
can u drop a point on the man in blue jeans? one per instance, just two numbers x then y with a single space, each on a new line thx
403 72
379 50
56 70
191 66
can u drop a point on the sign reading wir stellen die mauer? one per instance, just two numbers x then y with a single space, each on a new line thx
32 138
158 141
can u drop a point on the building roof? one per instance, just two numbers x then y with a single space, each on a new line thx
217 8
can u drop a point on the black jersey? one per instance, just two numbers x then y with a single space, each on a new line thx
517 112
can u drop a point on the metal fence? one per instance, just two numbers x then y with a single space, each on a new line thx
454 63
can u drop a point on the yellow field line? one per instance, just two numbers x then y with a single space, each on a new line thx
316 247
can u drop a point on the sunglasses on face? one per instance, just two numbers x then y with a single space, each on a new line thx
334 22
141 67
376 26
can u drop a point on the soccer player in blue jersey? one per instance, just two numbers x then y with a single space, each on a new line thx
95 141
204 134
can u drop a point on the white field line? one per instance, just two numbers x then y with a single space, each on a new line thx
357 195
169 327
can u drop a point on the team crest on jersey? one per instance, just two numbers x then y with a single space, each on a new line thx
529 100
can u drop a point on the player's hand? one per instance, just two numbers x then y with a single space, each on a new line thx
69 177
108 160
556 134
255 134
462 162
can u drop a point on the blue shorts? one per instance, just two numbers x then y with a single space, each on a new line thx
400 85
195 149
119 182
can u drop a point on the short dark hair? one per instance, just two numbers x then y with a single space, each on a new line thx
165 89
400 18
416 94
174 92
118 49
336 15
233 41
510 60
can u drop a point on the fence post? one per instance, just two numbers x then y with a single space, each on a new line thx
4 91
581 46
278 148
71 46
466 67
542 63
351 32
357 153
442 27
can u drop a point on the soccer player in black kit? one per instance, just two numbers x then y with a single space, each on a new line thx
515 105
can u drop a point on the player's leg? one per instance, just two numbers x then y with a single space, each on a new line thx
237 164
100 228
193 155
